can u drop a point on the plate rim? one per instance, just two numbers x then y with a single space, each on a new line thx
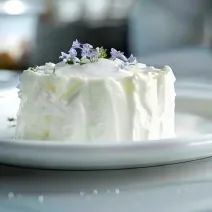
143 143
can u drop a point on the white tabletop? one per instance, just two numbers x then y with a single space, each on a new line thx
179 187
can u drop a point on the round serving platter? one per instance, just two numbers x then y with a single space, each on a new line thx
193 127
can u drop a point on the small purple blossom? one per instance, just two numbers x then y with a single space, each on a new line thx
132 59
85 53
64 57
114 53
73 53
88 53
122 57
117 54
76 44
93 53
87 46
87 50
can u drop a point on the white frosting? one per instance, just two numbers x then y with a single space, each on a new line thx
96 102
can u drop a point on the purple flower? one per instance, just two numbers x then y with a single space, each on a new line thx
72 53
114 53
84 53
64 57
93 55
87 46
132 59
122 57
86 50
117 54
76 44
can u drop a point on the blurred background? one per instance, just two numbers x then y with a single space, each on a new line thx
177 33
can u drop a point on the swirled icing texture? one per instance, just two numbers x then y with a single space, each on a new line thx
96 102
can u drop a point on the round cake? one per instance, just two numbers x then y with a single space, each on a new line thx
91 99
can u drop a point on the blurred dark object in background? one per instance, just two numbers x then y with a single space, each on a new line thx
33 32
50 42
6 61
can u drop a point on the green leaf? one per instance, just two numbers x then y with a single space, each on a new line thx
34 68
102 52
81 62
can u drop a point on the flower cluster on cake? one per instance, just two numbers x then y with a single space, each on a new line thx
88 98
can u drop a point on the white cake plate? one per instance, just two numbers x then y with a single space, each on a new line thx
194 141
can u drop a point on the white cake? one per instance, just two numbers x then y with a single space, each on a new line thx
106 100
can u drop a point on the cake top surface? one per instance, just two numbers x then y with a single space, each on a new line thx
84 60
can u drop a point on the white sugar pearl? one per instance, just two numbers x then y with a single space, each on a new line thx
95 192
117 191
82 193
40 199
11 195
